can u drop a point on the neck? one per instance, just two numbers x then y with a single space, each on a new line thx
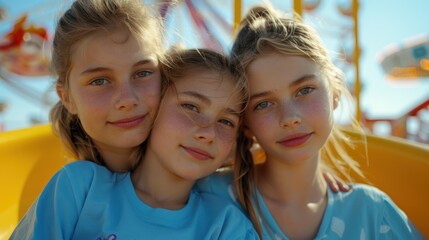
118 160
157 186
291 184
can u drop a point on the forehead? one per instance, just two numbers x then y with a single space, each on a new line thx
210 83
118 43
277 68
204 78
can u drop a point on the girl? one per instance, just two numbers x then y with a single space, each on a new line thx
106 56
294 89
193 135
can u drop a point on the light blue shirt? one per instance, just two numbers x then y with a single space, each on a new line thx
362 213
87 201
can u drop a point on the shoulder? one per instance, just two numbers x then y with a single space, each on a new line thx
88 171
79 177
215 180
372 202
362 192
225 217
369 210
367 191
83 167
219 183
64 196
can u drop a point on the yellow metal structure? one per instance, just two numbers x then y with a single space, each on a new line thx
29 157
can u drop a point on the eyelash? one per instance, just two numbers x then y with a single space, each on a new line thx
136 75
306 90
190 106
227 122
146 74
194 108
301 92
259 107
93 82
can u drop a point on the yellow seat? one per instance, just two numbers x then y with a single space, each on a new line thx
29 157
400 168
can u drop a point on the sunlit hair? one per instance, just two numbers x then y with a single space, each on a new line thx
264 31
83 19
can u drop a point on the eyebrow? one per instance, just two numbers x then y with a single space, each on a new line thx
197 96
100 69
208 101
296 82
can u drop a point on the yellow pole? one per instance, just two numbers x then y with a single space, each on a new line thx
237 14
356 60
297 6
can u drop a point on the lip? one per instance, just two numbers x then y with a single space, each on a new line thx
295 140
197 153
129 122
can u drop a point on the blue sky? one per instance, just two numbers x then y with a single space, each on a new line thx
381 23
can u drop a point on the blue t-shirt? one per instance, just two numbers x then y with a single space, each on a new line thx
362 213
87 201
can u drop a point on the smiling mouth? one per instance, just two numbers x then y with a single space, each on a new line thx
129 122
295 141
197 153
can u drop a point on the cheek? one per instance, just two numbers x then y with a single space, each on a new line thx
150 93
320 109
226 136
172 117
90 103
257 122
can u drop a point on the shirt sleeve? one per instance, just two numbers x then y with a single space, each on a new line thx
56 211
219 184
235 225
395 224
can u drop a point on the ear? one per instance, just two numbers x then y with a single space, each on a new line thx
65 98
336 100
248 133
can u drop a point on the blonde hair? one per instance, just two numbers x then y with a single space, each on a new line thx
261 32
83 18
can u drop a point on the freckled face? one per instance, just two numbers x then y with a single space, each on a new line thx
197 125
290 110
114 88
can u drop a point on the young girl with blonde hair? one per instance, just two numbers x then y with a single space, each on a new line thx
106 58
294 89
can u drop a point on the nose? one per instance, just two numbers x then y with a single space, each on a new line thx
205 134
289 116
127 96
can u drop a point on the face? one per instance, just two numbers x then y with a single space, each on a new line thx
290 110
197 125
114 88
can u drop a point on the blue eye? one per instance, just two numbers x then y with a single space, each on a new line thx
305 91
263 105
142 74
189 106
227 122
99 81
